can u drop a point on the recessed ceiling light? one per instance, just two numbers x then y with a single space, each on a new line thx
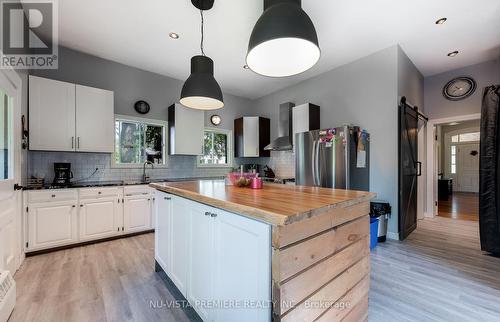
246 66
453 53
441 21
174 35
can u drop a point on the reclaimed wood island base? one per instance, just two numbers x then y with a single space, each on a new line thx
317 252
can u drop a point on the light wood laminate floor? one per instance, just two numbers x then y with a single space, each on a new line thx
109 281
437 274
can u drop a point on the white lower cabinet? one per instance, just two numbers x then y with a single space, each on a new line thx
52 224
227 257
69 216
100 218
179 250
163 218
201 261
137 213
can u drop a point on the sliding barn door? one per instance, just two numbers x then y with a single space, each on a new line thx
409 169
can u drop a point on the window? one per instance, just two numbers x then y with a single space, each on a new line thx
466 137
217 149
138 140
453 162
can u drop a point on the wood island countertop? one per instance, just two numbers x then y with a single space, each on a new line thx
275 204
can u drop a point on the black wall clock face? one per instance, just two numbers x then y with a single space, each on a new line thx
142 107
459 88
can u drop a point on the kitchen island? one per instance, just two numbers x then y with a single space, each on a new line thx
283 253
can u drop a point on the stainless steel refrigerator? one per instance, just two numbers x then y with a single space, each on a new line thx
333 158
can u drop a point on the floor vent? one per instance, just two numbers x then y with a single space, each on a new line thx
7 295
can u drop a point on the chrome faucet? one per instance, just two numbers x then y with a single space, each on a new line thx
145 178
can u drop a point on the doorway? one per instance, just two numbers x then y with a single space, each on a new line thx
458 181
453 158
10 171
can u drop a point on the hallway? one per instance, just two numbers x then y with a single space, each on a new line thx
437 274
460 205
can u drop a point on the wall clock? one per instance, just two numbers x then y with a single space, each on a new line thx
459 88
142 107
215 119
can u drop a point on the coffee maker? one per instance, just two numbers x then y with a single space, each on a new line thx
62 174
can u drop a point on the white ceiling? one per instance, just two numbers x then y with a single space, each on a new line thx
136 32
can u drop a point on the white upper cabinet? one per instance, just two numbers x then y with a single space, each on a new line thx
94 119
185 129
51 115
251 136
68 117
305 118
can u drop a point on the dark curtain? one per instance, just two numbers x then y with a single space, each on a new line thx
489 173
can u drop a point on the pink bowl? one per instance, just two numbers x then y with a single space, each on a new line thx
241 180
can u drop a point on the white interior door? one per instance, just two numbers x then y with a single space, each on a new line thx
10 160
468 167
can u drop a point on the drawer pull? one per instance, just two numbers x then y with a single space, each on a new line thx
167 198
213 215
99 193
81 205
207 213
73 206
53 196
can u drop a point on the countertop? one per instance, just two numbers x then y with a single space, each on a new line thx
113 183
276 204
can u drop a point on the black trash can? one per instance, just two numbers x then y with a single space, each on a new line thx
382 210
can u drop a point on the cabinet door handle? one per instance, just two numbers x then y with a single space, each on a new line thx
81 206
73 206
53 196
207 213
72 142
167 198
78 142
213 215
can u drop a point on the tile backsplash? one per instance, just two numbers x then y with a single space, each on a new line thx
283 163
41 165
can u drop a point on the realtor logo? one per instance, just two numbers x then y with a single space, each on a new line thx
29 38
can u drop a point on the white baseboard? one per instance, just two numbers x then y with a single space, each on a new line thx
393 236
428 215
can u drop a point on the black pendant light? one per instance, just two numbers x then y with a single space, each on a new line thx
201 91
284 41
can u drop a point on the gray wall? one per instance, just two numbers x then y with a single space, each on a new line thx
437 106
410 81
129 85
132 84
363 93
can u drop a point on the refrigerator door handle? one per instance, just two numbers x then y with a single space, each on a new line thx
313 162
318 177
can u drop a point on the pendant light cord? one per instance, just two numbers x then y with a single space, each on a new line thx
202 33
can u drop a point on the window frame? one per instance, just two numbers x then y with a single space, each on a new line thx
230 154
120 117
447 146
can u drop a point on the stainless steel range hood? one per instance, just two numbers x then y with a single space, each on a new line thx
285 130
